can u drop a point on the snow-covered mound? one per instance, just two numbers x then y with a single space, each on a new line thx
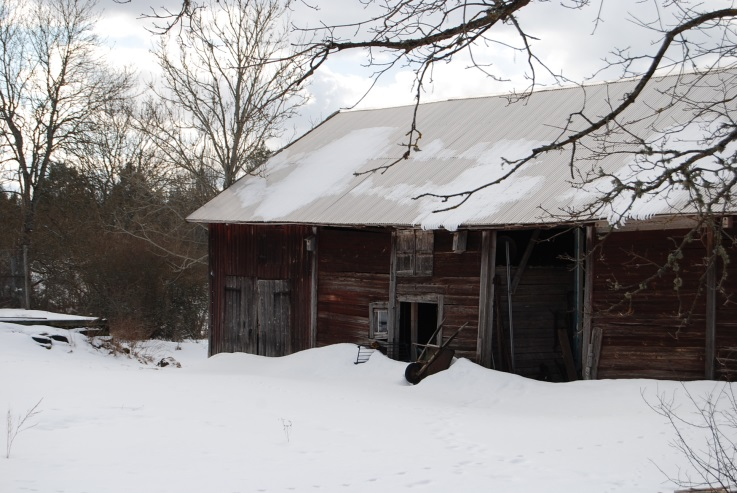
14 314
315 421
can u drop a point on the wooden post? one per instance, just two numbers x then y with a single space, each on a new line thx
313 291
213 305
484 354
578 344
393 335
711 295
596 337
413 321
588 291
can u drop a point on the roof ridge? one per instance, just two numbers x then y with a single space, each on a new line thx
546 89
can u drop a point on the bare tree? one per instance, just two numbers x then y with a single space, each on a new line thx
140 191
51 85
228 88
704 434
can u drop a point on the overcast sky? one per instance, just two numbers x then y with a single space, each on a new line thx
568 43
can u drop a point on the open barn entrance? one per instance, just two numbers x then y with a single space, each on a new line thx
417 323
537 303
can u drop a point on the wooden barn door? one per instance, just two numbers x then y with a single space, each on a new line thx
274 318
257 316
241 327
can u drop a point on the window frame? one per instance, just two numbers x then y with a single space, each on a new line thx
374 320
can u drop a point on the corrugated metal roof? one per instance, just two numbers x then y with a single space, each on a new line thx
325 177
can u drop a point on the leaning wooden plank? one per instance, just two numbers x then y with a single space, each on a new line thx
525 258
565 347
596 351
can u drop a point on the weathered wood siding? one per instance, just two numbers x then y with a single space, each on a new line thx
725 364
259 253
647 336
455 276
353 271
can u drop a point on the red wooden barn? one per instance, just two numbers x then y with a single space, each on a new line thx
326 244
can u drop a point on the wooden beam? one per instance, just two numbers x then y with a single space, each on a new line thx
525 258
413 328
393 351
313 290
588 291
484 355
596 337
580 246
711 295
213 305
565 347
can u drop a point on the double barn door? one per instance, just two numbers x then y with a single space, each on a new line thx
258 315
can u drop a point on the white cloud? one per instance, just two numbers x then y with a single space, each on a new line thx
567 42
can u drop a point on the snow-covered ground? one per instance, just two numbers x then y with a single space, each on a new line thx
315 421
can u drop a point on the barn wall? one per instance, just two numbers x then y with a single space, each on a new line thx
725 364
353 271
265 252
455 277
642 337
646 337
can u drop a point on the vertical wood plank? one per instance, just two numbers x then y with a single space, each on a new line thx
393 327
414 330
578 290
231 313
596 338
588 283
313 290
565 348
249 315
484 351
483 300
441 319
216 311
274 317
711 295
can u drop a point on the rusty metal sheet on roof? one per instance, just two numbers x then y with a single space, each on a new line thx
336 174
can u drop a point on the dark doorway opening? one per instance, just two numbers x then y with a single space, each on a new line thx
536 306
417 323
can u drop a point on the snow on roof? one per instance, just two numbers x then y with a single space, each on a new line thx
326 176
